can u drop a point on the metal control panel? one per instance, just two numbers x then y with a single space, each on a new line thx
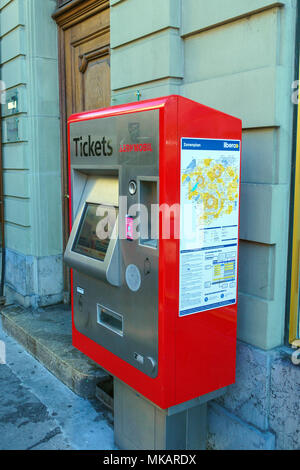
114 167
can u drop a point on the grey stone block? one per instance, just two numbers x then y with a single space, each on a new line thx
260 321
134 19
47 335
263 208
260 156
227 432
139 63
256 269
216 12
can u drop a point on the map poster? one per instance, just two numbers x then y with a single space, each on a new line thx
209 215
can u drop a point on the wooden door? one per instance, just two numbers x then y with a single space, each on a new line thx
84 49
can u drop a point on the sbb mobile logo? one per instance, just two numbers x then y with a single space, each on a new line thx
2 353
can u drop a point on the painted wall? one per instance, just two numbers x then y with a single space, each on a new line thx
236 56
32 185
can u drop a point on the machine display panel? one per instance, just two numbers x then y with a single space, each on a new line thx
95 230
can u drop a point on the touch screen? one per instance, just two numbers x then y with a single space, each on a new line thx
95 230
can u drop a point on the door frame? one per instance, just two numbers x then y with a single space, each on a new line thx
66 16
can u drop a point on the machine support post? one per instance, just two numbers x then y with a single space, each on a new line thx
141 425
154 256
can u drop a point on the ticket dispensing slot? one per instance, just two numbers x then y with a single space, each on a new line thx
93 246
110 319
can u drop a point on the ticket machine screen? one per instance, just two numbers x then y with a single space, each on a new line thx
95 230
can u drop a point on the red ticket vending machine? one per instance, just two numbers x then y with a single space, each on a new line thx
157 310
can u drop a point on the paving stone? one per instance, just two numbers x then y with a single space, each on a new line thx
248 398
49 414
47 334
24 420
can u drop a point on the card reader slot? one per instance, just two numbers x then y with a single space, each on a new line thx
148 198
109 319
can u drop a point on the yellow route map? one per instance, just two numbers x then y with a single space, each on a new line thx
212 184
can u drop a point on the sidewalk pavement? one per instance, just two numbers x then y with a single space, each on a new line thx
38 412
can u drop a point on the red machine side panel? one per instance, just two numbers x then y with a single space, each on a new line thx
205 341
160 390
